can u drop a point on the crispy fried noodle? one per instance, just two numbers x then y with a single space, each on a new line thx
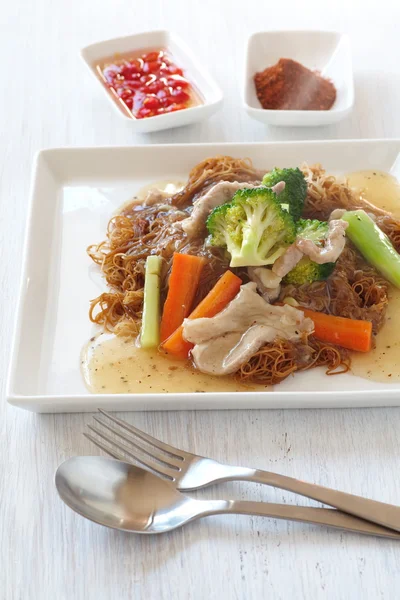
354 289
274 362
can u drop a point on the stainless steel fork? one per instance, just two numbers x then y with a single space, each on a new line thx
189 471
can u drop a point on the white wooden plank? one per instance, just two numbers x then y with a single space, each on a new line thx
48 552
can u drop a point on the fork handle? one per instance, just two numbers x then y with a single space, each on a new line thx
387 515
306 514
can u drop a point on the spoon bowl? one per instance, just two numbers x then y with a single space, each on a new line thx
122 496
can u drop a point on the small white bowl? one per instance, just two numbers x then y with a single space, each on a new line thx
209 90
325 51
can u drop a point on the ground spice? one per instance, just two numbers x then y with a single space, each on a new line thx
290 86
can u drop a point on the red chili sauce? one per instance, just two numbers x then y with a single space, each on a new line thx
149 84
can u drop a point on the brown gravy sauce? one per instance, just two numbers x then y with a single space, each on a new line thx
115 365
167 186
383 362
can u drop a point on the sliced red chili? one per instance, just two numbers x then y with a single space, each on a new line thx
150 84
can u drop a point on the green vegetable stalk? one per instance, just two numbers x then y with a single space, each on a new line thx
150 334
373 244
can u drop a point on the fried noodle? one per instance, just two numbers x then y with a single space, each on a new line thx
276 361
212 170
325 193
354 290
144 230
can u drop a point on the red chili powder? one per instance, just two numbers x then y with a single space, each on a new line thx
290 86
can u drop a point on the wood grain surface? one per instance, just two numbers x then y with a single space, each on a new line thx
48 552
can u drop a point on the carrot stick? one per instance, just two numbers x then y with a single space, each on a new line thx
182 287
222 293
348 333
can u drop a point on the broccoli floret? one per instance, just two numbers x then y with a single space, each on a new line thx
312 229
295 192
253 227
307 271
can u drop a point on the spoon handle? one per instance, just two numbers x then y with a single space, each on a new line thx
306 514
387 515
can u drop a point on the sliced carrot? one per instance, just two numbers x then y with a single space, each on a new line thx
348 333
182 287
222 293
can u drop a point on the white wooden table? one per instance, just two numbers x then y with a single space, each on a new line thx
48 552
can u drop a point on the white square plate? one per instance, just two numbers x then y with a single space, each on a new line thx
196 73
325 51
74 193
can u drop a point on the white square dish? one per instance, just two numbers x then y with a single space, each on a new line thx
197 74
325 51
75 190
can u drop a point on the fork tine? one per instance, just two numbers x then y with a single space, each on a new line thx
119 455
106 449
181 454
159 469
163 458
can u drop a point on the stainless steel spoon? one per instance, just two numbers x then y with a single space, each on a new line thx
122 496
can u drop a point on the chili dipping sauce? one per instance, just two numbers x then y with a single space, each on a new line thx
148 83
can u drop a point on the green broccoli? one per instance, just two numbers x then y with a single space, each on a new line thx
295 192
312 229
307 271
253 227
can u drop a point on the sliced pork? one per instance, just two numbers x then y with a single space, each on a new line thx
337 214
218 194
278 187
287 261
155 196
221 192
224 342
334 244
268 283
